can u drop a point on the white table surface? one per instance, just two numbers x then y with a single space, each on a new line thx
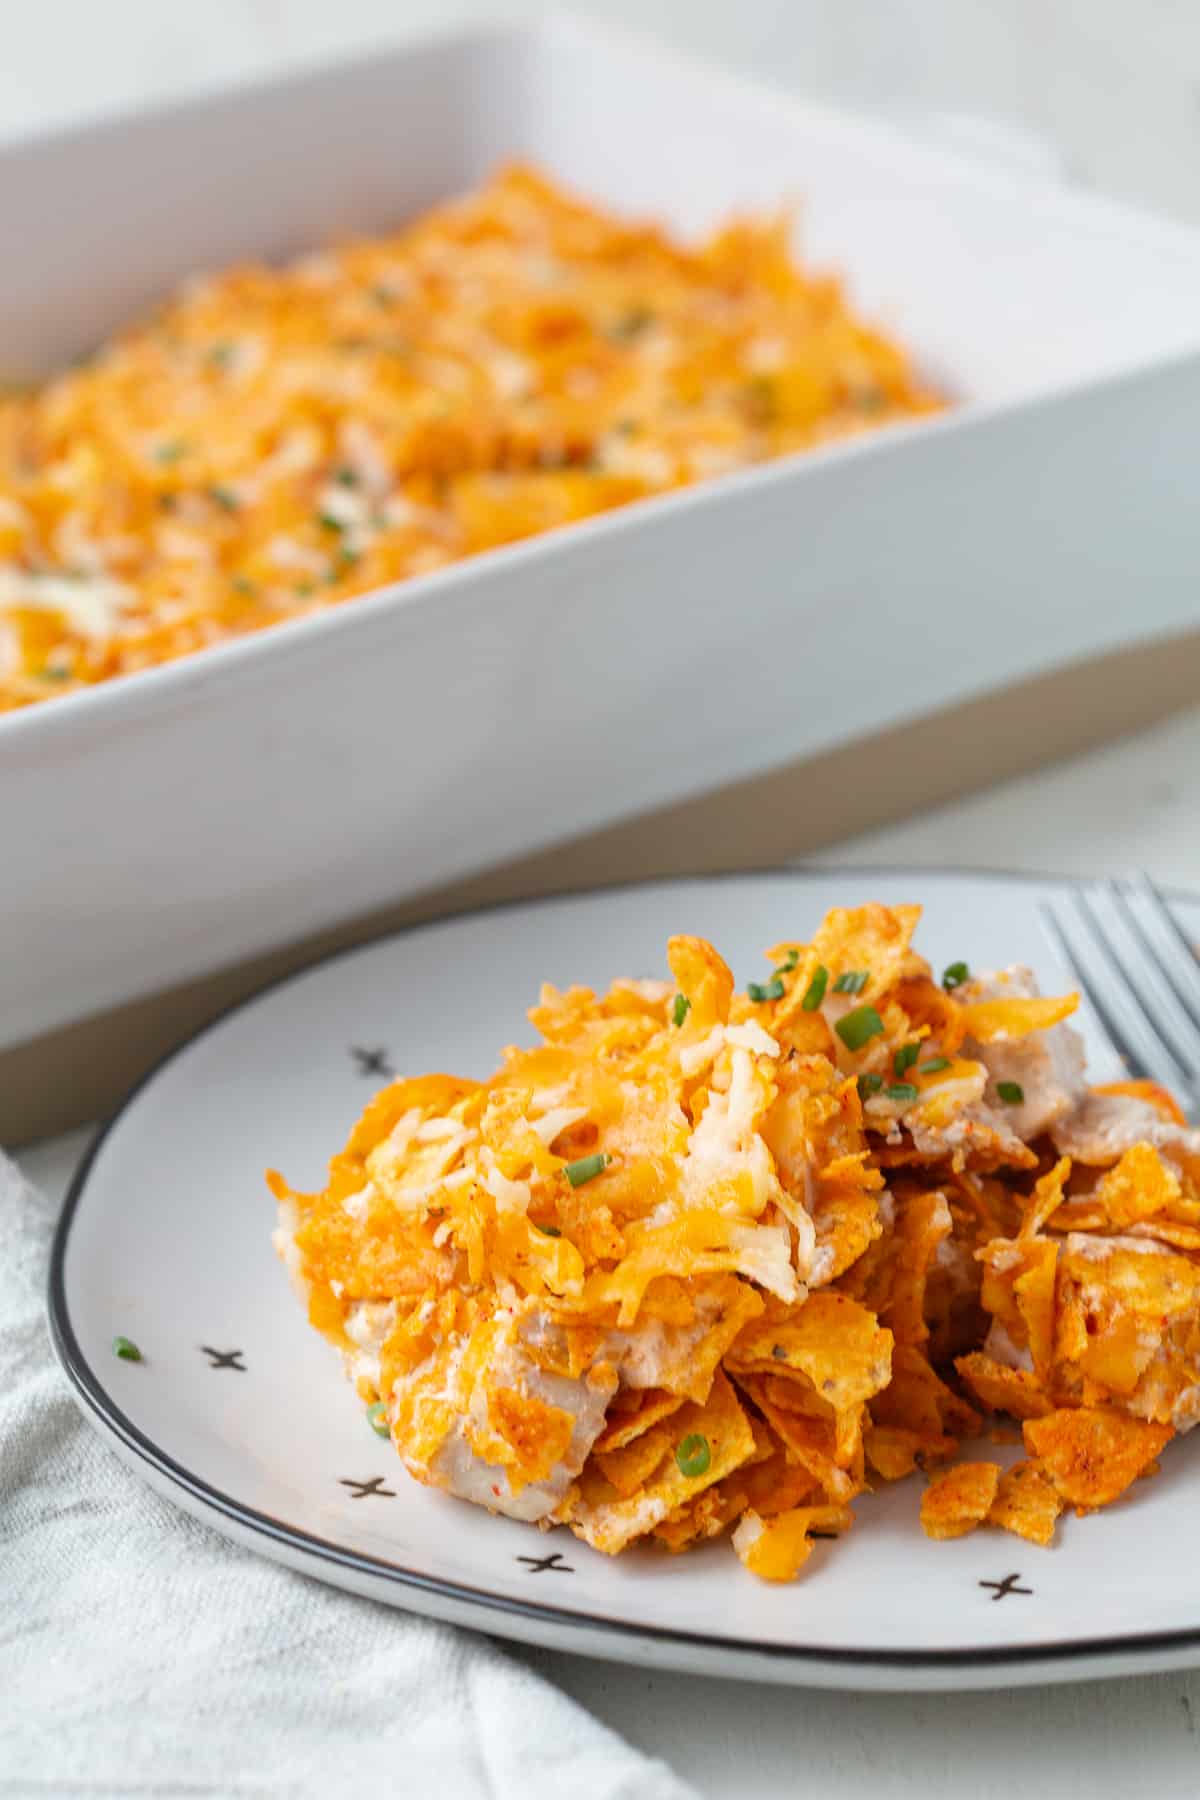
1132 803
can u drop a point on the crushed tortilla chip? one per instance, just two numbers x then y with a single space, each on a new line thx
775 1549
1026 1503
1092 1453
957 1501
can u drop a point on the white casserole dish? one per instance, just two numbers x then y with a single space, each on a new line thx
178 820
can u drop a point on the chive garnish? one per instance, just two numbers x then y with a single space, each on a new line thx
902 1092
852 981
631 323
586 1169
244 586
778 1352
224 497
693 1455
681 1009
955 974
869 1083
345 559
815 991
377 1418
126 1349
933 1065
329 522
758 991
905 1057
549 1230
789 962
170 453
1011 1092
345 477
859 1027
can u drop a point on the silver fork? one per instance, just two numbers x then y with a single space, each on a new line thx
1141 977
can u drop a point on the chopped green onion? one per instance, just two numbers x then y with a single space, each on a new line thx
169 453
377 1418
549 1231
50 673
852 981
815 991
224 497
934 1064
681 1009
346 477
126 1349
345 559
903 1092
586 1169
905 1057
305 588
955 975
778 1352
859 1027
693 1455
244 586
329 522
789 962
762 398
758 991
869 1083
1011 1092
631 324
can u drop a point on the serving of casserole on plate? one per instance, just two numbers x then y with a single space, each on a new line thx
470 708
847 1245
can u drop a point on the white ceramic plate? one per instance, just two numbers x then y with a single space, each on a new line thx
241 1414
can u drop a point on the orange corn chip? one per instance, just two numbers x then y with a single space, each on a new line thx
835 1344
1026 1503
632 1412
775 1549
810 1443
894 1453
991 1021
609 1520
1092 1454
1034 1291
1139 1186
1047 1197
955 1503
919 1400
1003 1389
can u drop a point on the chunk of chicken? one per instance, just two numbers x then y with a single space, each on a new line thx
1046 1065
1103 1126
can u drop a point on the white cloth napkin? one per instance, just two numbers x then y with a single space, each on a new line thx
142 1654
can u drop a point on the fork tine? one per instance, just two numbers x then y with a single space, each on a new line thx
1136 1062
1186 970
1171 1013
1153 1051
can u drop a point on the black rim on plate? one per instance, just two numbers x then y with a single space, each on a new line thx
317 1550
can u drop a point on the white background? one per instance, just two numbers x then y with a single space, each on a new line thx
1115 85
